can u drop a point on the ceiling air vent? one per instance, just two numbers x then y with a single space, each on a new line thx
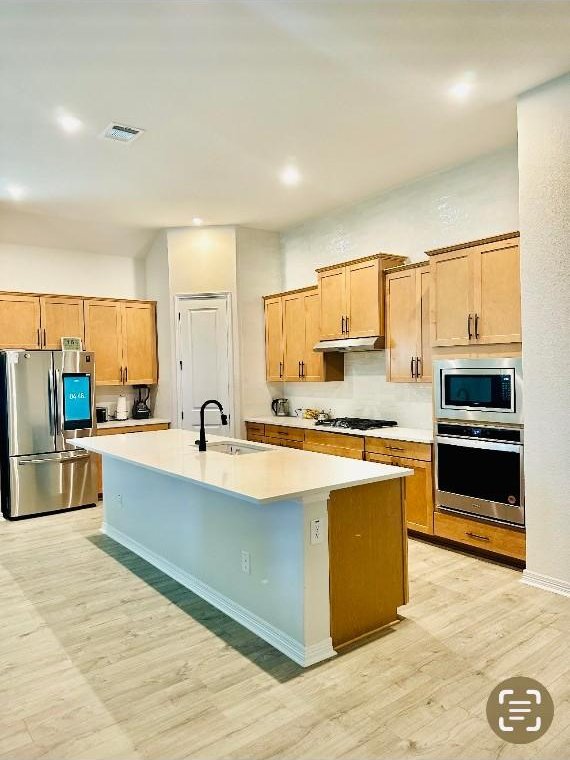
121 132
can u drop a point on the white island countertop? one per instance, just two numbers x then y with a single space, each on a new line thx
271 474
415 435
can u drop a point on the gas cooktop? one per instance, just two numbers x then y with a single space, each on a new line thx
356 423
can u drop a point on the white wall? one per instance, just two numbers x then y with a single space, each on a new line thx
467 202
544 171
158 289
258 273
67 272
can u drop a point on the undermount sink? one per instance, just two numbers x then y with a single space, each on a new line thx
236 449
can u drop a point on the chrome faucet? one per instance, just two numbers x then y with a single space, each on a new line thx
202 440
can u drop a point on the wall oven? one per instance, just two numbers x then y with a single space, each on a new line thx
479 471
479 390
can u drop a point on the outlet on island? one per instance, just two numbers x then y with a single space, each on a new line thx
245 562
316 531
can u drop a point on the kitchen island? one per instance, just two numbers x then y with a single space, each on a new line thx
306 550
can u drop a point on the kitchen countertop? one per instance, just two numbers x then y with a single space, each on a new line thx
132 423
272 474
415 435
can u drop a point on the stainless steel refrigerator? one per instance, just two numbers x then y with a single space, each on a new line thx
47 399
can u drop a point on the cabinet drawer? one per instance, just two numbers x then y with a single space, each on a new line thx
133 429
492 538
255 438
392 447
254 428
336 451
285 433
335 440
283 442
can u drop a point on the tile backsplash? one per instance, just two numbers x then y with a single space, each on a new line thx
365 393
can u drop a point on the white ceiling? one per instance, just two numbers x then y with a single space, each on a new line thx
355 92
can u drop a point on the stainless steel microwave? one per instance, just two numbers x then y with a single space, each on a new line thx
479 390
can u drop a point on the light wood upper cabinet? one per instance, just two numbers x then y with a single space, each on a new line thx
293 336
123 336
452 299
332 287
364 305
139 343
476 292
104 336
292 329
61 316
19 321
408 341
314 360
352 297
274 339
496 272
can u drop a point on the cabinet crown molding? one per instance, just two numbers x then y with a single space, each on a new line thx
291 292
395 257
405 267
473 243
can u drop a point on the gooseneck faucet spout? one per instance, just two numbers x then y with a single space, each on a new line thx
202 440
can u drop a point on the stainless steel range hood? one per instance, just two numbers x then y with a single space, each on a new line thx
373 343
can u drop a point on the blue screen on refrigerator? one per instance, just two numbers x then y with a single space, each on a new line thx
76 401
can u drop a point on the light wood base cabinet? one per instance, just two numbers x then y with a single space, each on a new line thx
418 488
507 542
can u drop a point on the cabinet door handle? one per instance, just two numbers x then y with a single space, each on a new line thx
476 325
342 325
469 335
126 374
477 536
280 369
412 367
302 369
39 337
299 368
418 366
346 321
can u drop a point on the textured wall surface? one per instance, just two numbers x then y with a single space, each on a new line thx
467 202
544 168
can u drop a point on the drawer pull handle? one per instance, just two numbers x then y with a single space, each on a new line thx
477 536
395 448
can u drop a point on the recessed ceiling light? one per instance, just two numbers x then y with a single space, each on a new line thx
290 175
16 192
463 88
197 222
69 123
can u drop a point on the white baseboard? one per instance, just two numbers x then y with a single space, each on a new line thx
546 582
295 650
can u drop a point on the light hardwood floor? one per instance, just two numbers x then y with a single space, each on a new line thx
102 656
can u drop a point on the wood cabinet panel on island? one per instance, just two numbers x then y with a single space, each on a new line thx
292 329
408 339
475 295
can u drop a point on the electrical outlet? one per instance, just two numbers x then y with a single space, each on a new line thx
245 562
317 531
119 499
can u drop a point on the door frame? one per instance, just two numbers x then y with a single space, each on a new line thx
179 300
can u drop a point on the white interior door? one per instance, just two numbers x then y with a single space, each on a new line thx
204 353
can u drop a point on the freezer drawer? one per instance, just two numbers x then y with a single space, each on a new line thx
49 482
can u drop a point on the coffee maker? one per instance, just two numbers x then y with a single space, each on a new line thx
141 410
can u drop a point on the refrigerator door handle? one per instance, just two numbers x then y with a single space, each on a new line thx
57 411
52 410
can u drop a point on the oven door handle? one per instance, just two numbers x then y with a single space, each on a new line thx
477 444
